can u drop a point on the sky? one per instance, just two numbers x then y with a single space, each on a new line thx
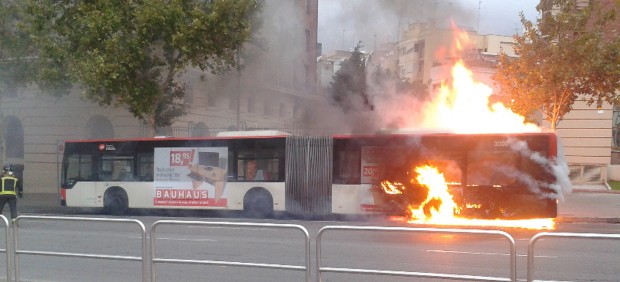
342 23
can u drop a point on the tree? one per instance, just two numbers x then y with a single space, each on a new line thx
348 88
383 80
15 51
562 58
134 53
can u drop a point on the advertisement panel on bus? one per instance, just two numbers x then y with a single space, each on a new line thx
190 176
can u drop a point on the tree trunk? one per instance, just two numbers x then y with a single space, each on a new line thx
2 154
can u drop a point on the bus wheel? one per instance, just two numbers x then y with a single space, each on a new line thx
115 201
258 203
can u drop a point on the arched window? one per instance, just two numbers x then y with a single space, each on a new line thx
200 130
98 127
164 131
13 138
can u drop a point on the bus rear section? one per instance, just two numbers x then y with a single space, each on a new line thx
489 176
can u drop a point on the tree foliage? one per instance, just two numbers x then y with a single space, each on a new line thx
565 56
386 80
354 88
15 49
134 53
348 88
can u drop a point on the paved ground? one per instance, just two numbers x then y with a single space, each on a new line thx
586 203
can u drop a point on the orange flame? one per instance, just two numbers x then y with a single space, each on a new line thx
437 193
439 207
464 108
461 104
392 188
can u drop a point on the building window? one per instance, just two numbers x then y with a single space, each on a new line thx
211 100
307 75
282 110
232 102
98 127
250 104
308 40
11 90
200 130
616 128
189 95
13 137
267 108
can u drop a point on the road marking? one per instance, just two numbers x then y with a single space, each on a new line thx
180 239
484 254
230 227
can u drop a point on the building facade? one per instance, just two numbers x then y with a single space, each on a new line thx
271 91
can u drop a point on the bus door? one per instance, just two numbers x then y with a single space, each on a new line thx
78 168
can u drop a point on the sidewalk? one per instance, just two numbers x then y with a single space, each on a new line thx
586 203
42 203
591 203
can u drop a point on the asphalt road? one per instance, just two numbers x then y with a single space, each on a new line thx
555 259
587 211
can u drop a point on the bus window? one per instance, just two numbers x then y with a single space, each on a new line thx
536 170
491 168
79 166
115 168
258 166
347 167
145 166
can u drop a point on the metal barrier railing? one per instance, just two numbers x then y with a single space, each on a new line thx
530 248
7 249
143 258
13 252
155 260
320 269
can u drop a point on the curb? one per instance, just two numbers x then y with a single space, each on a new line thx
612 220
602 191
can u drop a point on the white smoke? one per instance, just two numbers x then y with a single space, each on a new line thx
557 166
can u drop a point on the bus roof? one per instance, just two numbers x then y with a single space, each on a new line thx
259 134
232 135
249 133
435 133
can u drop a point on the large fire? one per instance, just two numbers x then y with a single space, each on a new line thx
462 106
439 207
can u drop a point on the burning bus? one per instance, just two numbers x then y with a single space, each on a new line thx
492 176
483 176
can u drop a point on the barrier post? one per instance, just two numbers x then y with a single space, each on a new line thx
143 259
7 251
530 247
155 260
513 254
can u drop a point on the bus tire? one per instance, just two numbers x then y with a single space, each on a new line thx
115 201
258 203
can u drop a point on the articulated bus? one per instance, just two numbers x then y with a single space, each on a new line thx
489 175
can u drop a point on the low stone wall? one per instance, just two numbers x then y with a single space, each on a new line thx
613 172
588 173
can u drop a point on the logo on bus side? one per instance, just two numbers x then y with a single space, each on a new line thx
107 147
